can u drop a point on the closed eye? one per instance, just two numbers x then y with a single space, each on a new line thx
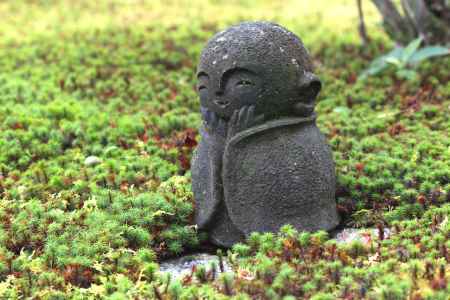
244 82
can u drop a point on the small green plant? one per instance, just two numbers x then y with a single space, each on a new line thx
404 59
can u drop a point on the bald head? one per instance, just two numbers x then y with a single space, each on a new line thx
270 60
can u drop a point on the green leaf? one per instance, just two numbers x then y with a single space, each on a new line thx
411 49
428 52
397 52
394 61
375 67
380 63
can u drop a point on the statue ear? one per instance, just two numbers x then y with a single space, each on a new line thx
309 87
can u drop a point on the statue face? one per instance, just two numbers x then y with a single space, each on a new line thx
236 87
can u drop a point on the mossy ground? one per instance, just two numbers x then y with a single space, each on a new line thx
115 80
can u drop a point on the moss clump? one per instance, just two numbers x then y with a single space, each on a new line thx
124 94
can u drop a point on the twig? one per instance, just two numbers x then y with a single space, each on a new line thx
362 25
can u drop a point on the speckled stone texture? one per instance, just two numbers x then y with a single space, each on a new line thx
262 162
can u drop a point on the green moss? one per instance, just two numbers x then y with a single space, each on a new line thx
79 83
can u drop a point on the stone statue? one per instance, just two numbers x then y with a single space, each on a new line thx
261 162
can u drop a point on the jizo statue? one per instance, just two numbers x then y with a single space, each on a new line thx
262 162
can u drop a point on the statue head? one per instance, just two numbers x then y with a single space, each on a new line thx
257 63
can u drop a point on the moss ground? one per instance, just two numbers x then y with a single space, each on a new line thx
114 80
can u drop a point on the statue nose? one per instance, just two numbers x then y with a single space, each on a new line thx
221 102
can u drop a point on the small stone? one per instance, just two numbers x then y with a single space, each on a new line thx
365 236
179 267
92 161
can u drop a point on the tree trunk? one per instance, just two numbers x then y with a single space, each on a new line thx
395 25
429 19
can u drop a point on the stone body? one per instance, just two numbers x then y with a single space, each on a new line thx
261 162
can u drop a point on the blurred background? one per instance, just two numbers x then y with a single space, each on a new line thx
20 19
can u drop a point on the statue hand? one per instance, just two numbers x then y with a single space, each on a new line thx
214 125
242 119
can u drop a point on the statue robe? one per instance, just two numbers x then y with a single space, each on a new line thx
280 172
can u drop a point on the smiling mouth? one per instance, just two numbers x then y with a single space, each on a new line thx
222 103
